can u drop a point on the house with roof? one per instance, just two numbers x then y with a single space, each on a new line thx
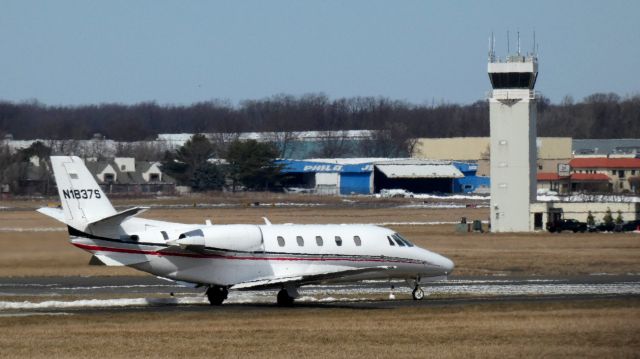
595 174
125 175
623 173
574 182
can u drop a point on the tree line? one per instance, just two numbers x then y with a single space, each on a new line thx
200 164
601 115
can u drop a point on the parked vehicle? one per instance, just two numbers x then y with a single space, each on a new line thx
628 226
395 193
566 225
604 227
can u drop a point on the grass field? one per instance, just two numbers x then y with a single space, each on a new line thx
590 329
33 245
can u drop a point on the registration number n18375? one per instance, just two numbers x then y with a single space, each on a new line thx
81 193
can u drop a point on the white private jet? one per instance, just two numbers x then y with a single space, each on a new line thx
234 256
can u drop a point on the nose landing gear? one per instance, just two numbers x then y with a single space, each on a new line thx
217 294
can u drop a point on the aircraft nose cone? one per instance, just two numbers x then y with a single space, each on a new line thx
447 264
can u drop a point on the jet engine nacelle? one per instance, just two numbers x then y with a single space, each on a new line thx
232 237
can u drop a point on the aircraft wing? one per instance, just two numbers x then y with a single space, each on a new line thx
306 278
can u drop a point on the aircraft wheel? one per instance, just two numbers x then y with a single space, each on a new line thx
217 295
418 293
284 300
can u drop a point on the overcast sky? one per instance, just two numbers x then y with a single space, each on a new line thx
179 52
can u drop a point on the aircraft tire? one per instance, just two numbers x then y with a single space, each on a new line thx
418 293
217 295
283 298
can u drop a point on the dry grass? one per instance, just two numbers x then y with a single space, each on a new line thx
48 253
549 329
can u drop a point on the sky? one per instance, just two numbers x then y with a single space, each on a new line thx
81 52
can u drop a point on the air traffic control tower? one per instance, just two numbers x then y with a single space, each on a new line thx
512 112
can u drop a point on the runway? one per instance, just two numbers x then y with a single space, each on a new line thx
58 295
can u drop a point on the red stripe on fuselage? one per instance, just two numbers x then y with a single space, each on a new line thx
89 247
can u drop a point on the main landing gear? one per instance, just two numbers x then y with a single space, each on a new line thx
286 297
217 294
418 293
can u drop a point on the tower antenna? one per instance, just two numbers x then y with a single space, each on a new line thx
508 49
491 47
518 42
534 43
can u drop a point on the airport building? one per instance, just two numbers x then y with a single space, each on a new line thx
551 151
372 175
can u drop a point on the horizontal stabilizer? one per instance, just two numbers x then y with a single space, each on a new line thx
120 259
277 282
117 218
94 261
55 213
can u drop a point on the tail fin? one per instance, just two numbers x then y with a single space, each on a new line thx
83 202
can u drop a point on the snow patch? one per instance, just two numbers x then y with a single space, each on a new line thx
589 198
102 303
33 229
453 196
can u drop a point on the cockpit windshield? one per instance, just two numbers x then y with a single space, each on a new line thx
401 239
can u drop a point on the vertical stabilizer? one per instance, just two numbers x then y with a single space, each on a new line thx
82 199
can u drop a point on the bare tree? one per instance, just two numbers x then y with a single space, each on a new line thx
284 142
333 144
142 150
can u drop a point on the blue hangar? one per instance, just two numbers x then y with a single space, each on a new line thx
371 175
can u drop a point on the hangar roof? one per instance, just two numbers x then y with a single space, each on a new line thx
420 170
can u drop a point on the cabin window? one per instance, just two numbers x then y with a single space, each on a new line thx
338 241
281 241
357 241
391 243
300 241
164 235
319 241
134 238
